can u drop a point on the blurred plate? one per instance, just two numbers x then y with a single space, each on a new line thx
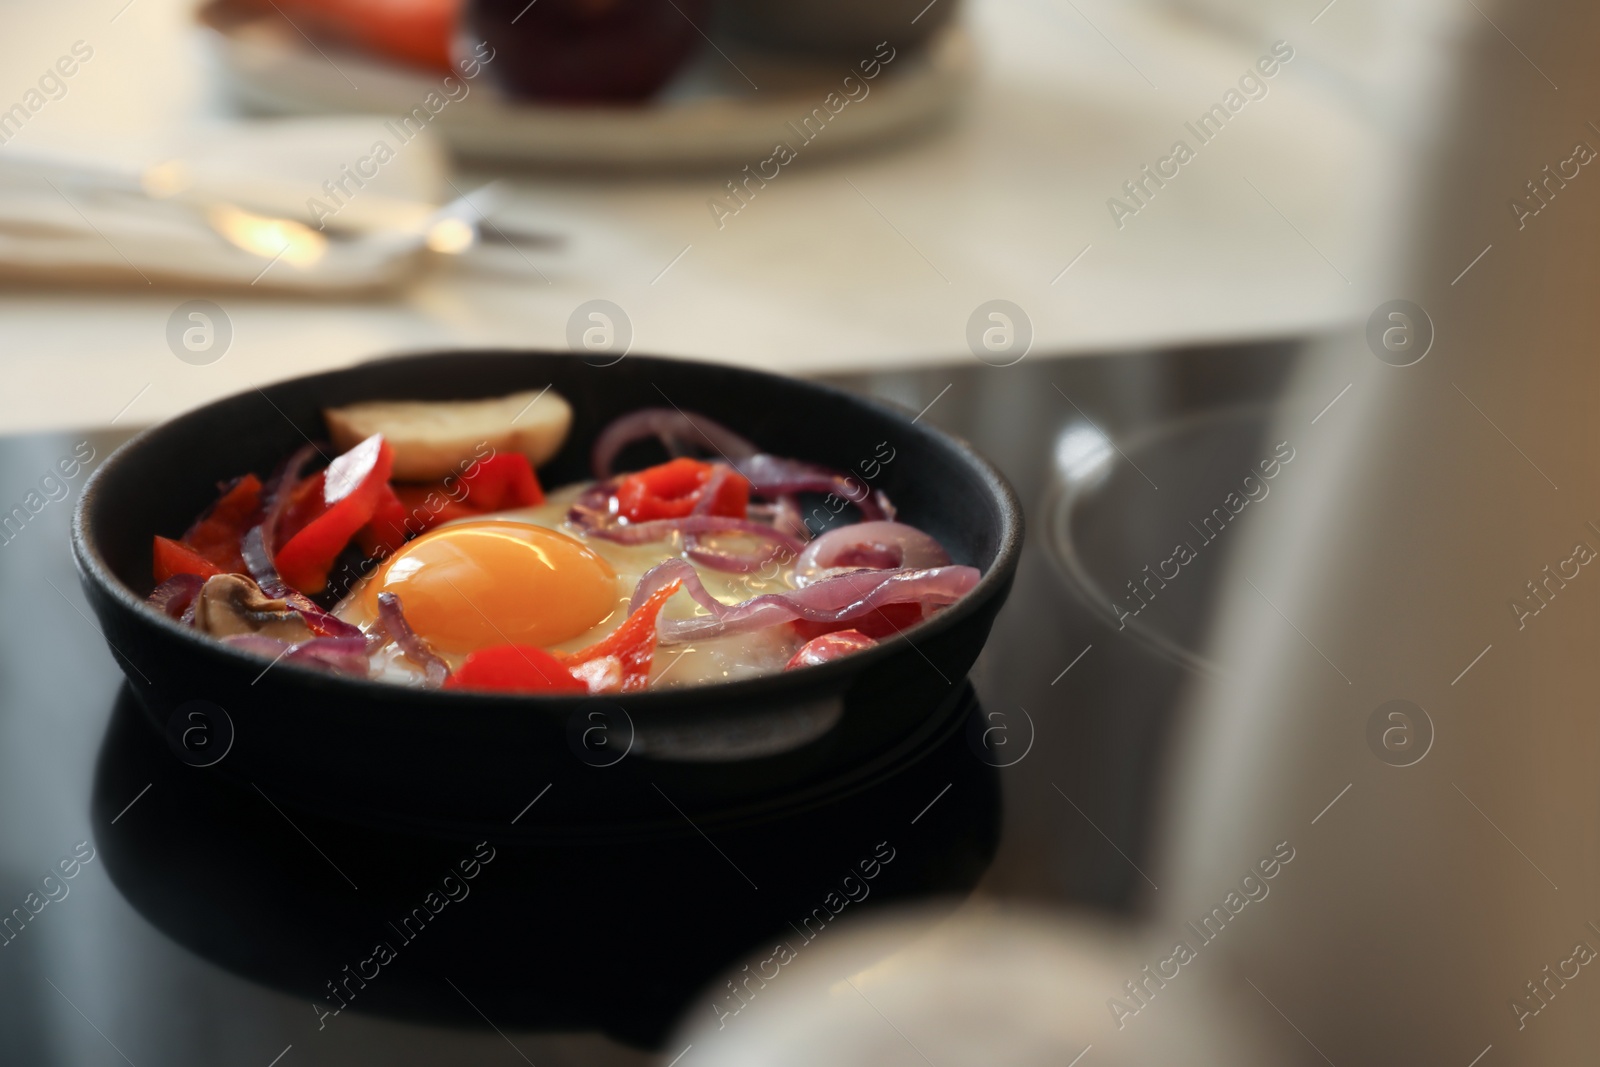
709 114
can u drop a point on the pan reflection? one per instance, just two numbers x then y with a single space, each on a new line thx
614 929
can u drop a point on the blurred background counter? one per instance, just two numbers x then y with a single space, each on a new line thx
869 260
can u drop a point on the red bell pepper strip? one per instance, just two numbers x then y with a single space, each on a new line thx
304 504
417 32
404 511
352 486
514 669
386 531
878 624
829 647
672 489
170 557
429 505
219 532
504 480
632 646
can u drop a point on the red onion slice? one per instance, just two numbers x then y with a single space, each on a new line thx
418 651
736 562
276 493
174 596
829 647
769 543
595 507
786 517
675 429
835 599
260 542
339 655
774 476
223 489
879 545
593 512
709 491
664 574
710 556
259 562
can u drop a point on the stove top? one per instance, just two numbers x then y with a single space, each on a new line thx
206 925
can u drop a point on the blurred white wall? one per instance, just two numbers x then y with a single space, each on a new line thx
1446 858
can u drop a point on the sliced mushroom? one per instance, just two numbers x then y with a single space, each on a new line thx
233 604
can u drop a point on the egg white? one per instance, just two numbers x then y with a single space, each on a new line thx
763 651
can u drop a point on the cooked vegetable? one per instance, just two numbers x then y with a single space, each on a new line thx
698 500
305 501
499 596
882 621
170 557
392 618
431 438
276 496
174 597
505 480
585 51
675 429
341 655
412 31
351 487
882 545
514 669
765 542
675 489
622 659
773 476
839 598
230 604
500 482
829 647
388 529
219 532
266 577
769 476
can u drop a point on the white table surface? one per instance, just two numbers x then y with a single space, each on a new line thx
1253 239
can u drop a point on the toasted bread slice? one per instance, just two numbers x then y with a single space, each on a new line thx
431 438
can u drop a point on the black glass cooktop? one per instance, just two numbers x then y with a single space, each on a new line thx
149 915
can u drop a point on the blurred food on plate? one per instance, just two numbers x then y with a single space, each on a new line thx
582 51
838 28
418 32
631 84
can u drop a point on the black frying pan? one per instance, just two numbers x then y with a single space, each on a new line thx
379 752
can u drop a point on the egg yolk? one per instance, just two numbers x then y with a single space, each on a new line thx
480 584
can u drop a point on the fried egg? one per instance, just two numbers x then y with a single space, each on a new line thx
527 576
